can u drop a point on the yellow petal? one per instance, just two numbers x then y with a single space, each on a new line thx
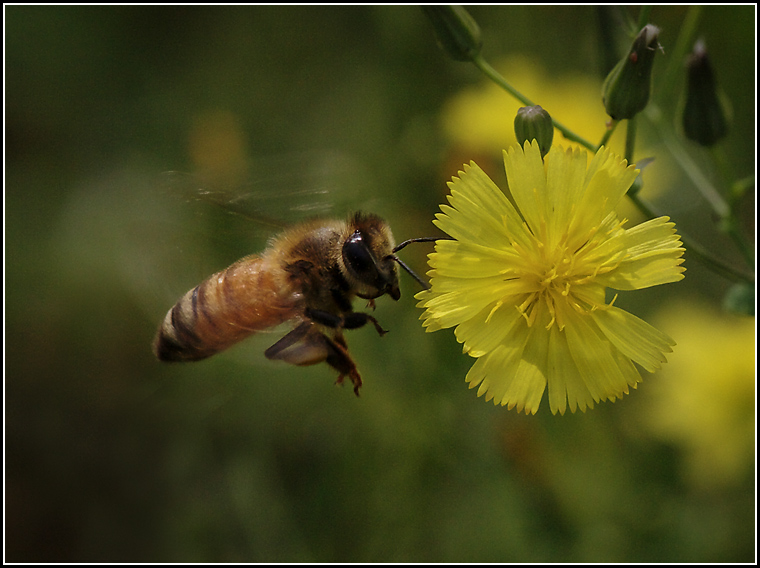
527 388
527 183
634 337
565 172
654 255
465 259
452 301
479 210
566 386
488 329
607 180
493 372
597 363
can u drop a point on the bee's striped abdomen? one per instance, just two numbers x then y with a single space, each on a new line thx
224 309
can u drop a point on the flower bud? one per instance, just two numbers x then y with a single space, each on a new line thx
457 32
704 119
626 89
534 122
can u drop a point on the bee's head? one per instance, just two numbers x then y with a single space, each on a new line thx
368 257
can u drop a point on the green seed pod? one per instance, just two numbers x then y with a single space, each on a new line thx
457 32
704 118
626 89
534 123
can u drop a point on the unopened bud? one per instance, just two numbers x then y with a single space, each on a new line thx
626 89
534 123
457 32
704 119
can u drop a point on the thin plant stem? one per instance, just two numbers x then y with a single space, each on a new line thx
703 255
675 68
730 224
630 139
644 16
690 168
713 197
608 133
496 77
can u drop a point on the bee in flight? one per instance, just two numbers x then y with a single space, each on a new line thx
309 275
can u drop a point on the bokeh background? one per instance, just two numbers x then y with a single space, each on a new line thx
272 113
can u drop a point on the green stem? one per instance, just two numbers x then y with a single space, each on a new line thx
608 133
741 243
630 140
713 197
675 68
644 16
708 190
689 167
730 223
703 255
496 77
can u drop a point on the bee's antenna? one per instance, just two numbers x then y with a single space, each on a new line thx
419 240
424 284
411 272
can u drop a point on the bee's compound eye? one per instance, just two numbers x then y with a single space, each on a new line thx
358 258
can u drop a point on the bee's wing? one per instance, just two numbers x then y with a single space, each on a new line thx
175 229
274 192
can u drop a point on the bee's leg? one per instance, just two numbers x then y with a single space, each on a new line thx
352 320
340 360
355 320
306 345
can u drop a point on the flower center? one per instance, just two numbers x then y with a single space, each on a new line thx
564 277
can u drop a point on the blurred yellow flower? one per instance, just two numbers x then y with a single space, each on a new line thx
480 118
704 402
525 286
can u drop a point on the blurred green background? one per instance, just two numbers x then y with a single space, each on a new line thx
112 456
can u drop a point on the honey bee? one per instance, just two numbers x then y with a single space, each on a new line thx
309 276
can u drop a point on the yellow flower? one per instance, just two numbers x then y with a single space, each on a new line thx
704 402
525 286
